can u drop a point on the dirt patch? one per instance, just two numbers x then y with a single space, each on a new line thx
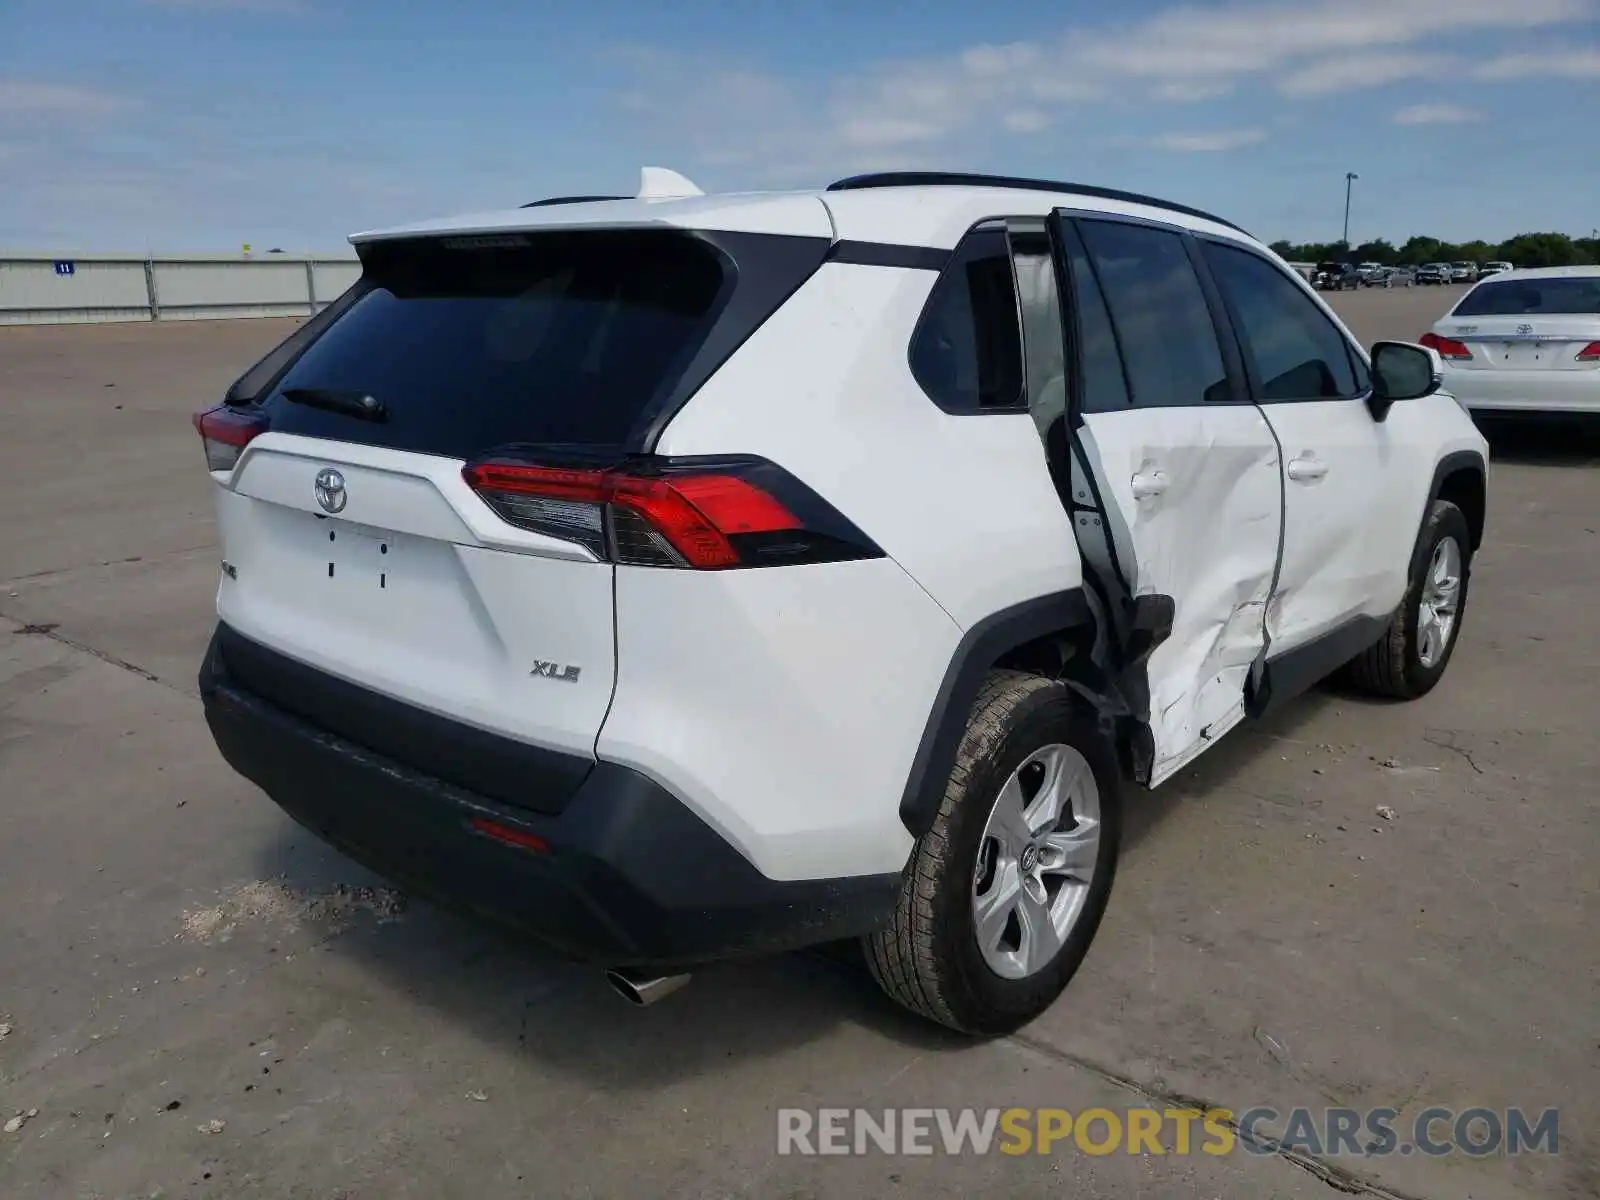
273 903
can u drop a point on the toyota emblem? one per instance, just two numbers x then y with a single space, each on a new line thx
329 488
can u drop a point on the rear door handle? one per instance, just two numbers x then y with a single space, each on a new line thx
1149 483
1306 469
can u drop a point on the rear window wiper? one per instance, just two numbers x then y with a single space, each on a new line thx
350 404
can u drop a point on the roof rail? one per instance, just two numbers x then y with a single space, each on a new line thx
889 179
571 200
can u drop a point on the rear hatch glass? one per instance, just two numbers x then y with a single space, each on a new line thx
1570 296
472 343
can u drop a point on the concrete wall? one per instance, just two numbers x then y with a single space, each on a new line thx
167 287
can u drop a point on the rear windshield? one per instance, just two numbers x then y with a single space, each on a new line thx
1523 297
472 343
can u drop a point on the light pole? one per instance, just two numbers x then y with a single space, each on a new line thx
1349 178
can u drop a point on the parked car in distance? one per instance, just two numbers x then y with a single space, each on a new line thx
1402 276
1385 277
573 604
1524 342
1338 277
1433 274
1464 272
1494 268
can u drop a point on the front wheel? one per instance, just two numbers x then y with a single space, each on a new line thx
1412 655
1004 893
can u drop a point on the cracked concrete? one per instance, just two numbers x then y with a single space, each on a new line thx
1270 941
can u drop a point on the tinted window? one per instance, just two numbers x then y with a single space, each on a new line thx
967 350
564 338
1168 342
1572 295
1297 353
1104 387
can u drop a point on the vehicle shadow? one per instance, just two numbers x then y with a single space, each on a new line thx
1568 441
1214 773
520 1000
524 1003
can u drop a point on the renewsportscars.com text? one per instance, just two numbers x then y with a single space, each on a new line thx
1333 1132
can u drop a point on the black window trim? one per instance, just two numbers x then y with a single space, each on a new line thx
1359 368
1228 348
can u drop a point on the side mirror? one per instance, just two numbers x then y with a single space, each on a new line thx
1402 371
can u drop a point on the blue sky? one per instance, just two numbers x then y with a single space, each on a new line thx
203 124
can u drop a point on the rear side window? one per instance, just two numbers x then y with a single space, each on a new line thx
553 338
966 352
1569 296
1163 323
1297 353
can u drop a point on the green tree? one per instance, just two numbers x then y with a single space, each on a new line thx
1419 250
1539 250
1379 251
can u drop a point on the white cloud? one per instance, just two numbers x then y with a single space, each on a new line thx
1244 39
1191 91
34 99
1026 120
871 132
1580 63
1187 54
1198 143
261 7
1435 114
1350 72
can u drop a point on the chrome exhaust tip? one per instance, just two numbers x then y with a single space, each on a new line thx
640 989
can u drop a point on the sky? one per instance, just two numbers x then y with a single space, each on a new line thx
172 125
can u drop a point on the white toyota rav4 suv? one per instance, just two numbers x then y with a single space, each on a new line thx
684 577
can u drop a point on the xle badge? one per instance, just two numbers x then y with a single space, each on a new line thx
550 670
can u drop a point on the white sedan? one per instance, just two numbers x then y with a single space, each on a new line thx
1524 342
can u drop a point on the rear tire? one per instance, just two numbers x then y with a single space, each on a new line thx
929 957
1412 655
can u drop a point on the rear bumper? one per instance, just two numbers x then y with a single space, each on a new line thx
628 877
1525 391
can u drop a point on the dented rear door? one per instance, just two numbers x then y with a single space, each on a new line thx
1175 484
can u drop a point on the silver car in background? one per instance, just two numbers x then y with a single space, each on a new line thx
1524 342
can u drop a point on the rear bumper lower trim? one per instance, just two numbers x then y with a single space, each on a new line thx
632 877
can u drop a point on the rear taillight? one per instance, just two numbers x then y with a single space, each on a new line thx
226 431
1446 347
1590 353
704 514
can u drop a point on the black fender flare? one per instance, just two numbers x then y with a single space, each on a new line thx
1458 460
980 648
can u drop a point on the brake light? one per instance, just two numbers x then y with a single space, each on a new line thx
1590 353
1446 347
702 514
225 431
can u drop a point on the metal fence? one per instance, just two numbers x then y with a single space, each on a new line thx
49 289
55 289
